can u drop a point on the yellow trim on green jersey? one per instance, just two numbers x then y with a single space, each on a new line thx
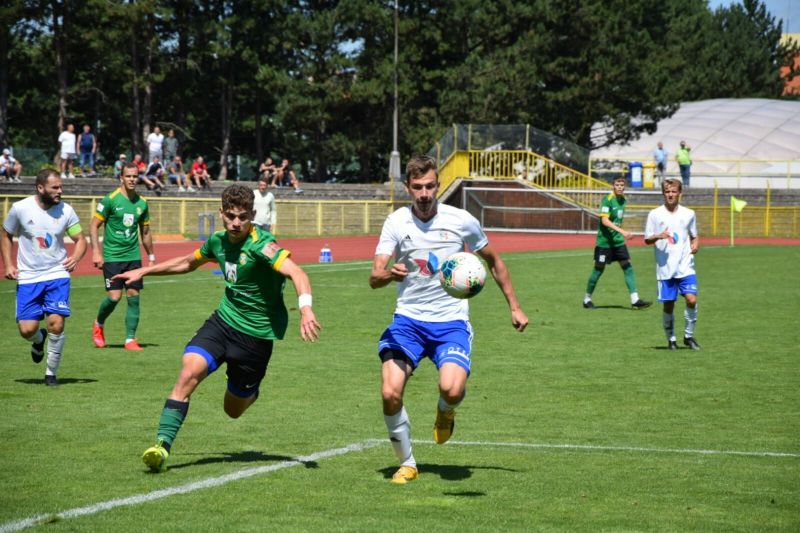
100 217
198 255
281 258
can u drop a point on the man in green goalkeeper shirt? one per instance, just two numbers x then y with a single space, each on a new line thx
610 246
250 317
125 215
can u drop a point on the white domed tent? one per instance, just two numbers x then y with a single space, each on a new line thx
752 139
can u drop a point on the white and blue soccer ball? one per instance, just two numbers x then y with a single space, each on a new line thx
462 275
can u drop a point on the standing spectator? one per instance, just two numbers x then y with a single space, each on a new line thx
264 205
200 173
10 167
68 151
125 215
672 228
42 268
87 143
428 322
660 155
288 177
170 146
119 164
610 246
684 160
176 174
155 144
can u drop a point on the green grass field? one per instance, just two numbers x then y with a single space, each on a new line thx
582 423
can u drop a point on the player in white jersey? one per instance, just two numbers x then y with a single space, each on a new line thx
427 321
43 266
672 228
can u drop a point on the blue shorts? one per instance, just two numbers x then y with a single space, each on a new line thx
668 288
51 297
442 342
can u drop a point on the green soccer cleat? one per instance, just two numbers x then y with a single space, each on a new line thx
443 427
404 474
156 458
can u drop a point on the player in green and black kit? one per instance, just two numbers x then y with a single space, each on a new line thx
125 215
249 318
610 246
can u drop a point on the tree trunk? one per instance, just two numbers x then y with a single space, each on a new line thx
147 78
5 39
136 139
259 133
227 105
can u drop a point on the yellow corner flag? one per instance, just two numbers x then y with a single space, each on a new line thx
737 205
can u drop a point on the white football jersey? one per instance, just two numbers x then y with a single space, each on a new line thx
422 247
674 258
41 239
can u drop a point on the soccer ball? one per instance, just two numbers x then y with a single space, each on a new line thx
462 275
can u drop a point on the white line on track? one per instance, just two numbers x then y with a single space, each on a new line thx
183 489
356 447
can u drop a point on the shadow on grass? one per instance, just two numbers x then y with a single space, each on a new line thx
447 472
465 494
622 307
250 456
61 381
121 346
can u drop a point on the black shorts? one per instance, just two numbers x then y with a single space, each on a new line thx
111 269
604 256
247 356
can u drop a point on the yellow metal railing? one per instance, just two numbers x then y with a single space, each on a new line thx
303 218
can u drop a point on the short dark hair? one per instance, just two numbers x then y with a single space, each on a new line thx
237 195
623 178
420 165
129 164
44 175
672 181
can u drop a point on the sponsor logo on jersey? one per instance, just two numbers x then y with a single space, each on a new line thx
674 237
44 241
230 272
127 219
428 267
270 249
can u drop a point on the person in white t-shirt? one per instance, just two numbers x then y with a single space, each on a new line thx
672 228
155 144
264 206
69 151
10 167
42 268
428 322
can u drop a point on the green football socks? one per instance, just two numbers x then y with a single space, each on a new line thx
132 317
172 417
593 279
107 307
630 278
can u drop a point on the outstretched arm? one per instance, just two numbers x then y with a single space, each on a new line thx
179 265
309 327
503 279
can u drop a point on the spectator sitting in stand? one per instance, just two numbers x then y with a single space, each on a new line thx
176 175
200 173
152 178
10 167
137 160
119 164
288 177
267 170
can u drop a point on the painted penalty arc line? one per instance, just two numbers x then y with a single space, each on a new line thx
184 489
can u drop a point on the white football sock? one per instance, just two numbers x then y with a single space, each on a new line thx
399 427
634 297
587 298
669 325
55 347
444 406
691 319
37 337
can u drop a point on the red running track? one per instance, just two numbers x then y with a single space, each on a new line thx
363 247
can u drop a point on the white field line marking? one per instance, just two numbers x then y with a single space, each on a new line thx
590 447
183 489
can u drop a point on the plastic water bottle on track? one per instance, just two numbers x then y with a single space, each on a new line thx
325 255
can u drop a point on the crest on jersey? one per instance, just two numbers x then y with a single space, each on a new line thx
230 272
429 267
127 219
243 259
138 210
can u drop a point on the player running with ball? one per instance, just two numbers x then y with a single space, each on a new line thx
427 321
249 318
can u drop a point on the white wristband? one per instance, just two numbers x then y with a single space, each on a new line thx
152 257
304 300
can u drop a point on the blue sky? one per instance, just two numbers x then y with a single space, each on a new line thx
787 10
